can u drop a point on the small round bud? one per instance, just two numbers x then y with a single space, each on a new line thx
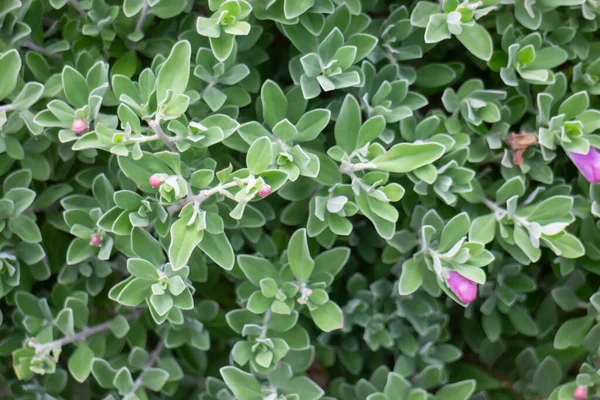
264 191
96 240
580 393
155 181
79 126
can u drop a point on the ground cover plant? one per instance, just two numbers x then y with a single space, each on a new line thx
299 199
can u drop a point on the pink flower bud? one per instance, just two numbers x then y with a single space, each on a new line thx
580 392
264 191
465 289
96 240
79 126
588 164
155 181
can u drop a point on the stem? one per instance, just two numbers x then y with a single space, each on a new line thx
493 206
500 212
144 139
39 49
160 134
266 318
154 356
211 84
350 172
79 10
203 195
140 24
7 107
40 348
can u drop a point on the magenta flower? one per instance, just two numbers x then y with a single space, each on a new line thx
465 289
588 164
79 126
580 392
155 181
264 191
96 240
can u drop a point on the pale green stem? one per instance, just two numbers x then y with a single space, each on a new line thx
40 348
154 357
205 194
167 140
143 15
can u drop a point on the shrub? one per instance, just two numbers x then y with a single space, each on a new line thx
299 199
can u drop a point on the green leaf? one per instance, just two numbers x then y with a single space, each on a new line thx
332 261
435 75
572 332
477 40
256 268
168 9
125 65
565 245
154 378
202 178
145 246
299 257
142 169
132 292
364 44
243 385
119 326
103 373
548 58
513 187
28 96
218 248
25 228
259 155
222 46
457 391
522 240
370 130
422 12
437 29
328 317
21 199
453 231
80 362
406 157
10 65
411 277
175 72
184 240
483 229
143 269
547 376
522 321
274 103
161 303
295 8
396 387
312 124
574 104
75 87
132 7
80 250
348 124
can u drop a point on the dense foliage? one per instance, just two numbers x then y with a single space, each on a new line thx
299 199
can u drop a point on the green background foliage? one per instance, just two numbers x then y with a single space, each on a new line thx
264 199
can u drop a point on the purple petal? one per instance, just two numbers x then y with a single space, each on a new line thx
465 289
588 164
